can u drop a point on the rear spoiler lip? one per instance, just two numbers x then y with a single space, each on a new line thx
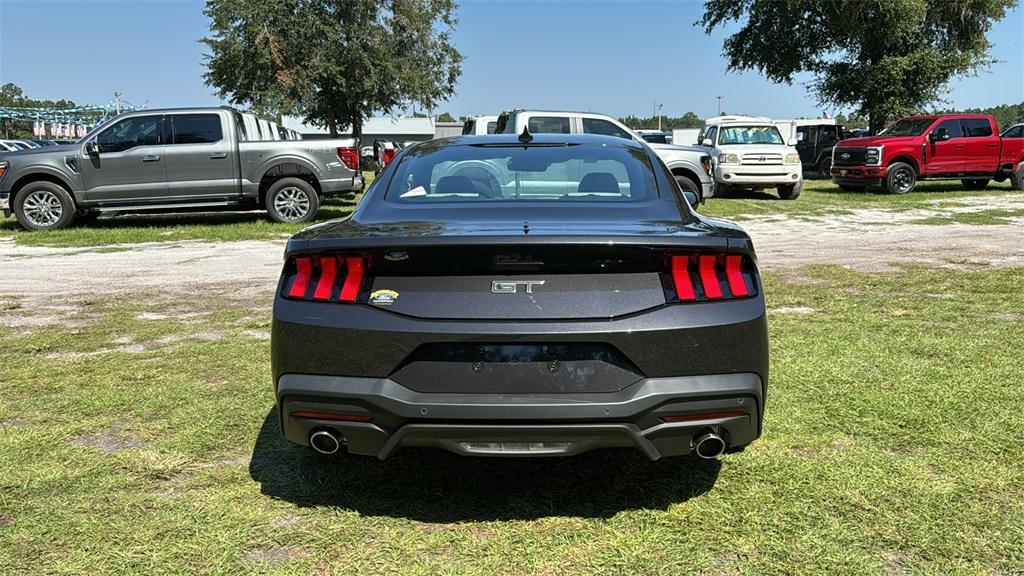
693 243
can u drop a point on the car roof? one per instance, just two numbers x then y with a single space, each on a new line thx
492 139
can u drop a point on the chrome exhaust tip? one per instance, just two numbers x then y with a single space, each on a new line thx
709 446
324 442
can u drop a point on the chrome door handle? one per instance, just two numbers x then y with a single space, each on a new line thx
152 158
218 155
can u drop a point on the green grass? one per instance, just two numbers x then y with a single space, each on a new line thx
217 226
819 198
141 439
980 217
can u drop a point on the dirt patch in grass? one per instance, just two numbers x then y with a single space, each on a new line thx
110 440
273 555
6 519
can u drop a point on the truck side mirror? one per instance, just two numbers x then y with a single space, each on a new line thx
92 148
706 142
940 135
791 142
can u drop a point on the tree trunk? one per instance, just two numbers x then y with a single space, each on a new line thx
357 129
874 122
332 125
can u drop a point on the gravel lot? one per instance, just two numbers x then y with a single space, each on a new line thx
864 239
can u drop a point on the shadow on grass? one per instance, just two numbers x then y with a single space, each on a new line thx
438 486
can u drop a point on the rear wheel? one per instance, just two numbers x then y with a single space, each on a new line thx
975 183
1017 178
851 188
292 200
44 206
900 179
790 191
825 166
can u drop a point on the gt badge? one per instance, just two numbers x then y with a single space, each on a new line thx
512 286
383 297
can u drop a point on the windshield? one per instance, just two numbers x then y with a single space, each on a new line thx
437 172
908 127
749 135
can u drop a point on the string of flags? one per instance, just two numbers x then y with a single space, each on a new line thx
63 122
41 129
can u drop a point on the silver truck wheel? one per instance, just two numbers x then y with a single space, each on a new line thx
43 206
292 200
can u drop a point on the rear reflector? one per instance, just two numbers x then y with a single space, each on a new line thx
701 416
704 277
325 273
333 416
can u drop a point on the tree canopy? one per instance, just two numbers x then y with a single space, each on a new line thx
333 62
884 58
688 120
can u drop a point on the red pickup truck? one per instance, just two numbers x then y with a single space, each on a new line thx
967 147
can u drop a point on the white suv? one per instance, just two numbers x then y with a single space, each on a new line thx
690 165
750 152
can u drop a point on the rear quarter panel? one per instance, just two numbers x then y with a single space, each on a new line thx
318 156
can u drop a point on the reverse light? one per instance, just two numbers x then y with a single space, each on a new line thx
730 158
349 157
325 278
709 277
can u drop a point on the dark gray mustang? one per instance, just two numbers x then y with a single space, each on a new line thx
522 296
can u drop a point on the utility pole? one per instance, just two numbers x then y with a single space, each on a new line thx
659 117
117 102
719 98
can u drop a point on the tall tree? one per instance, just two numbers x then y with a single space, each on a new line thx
333 62
886 58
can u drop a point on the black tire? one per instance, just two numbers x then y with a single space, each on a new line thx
291 200
975 183
790 191
686 184
851 188
825 166
1017 178
900 178
43 206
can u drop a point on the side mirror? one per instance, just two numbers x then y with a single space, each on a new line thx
791 142
941 135
706 142
691 198
92 148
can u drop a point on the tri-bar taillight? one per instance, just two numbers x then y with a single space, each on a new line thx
325 278
710 276
349 156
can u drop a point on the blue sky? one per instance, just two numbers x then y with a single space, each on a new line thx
613 57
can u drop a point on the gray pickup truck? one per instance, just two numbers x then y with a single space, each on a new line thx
174 160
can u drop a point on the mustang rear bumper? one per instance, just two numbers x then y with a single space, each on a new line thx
658 416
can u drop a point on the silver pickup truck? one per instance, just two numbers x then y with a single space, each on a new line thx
174 160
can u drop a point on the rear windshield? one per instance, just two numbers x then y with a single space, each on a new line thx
539 172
